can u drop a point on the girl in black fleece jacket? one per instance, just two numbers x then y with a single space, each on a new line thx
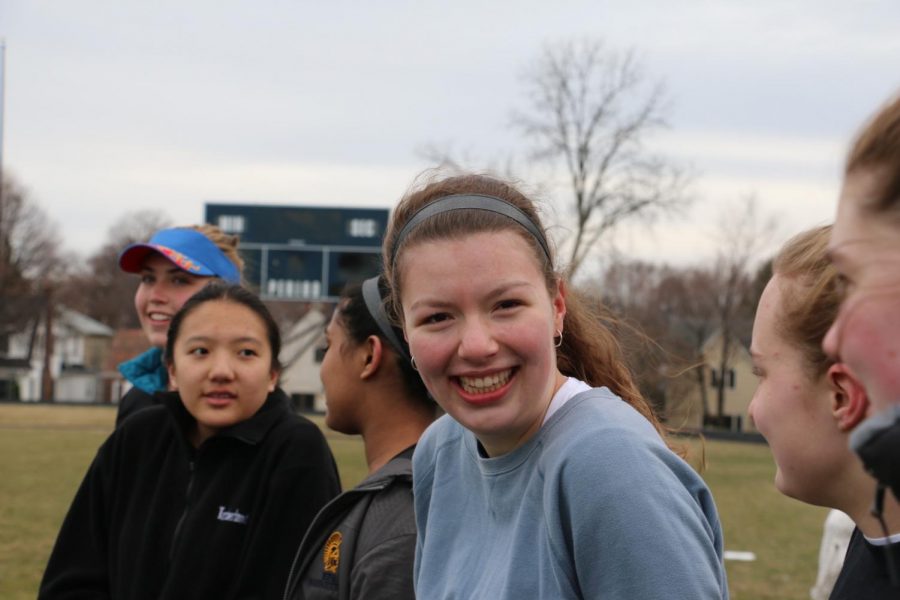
205 495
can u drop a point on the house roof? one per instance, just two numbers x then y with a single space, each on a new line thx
83 324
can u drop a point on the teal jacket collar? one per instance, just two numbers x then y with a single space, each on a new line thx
146 371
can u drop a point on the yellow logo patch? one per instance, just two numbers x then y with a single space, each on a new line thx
331 556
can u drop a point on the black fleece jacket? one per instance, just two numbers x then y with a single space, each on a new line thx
156 518
134 400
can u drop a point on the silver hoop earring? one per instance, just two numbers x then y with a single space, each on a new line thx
557 340
412 361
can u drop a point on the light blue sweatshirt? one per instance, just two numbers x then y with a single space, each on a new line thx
593 506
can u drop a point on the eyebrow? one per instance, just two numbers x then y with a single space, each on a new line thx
241 340
169 270
438 303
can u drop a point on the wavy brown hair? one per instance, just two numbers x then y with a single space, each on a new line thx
877 147
589 350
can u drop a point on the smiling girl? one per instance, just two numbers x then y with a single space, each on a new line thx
205 495
865 250
548 477
173 265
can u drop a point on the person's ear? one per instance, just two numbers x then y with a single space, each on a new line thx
170 367
559 305
273 379
373 355
849 402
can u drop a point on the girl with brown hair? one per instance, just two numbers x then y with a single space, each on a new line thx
548 477
807 404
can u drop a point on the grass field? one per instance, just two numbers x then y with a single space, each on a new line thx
44 451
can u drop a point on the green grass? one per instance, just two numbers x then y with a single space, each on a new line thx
783 533
45 450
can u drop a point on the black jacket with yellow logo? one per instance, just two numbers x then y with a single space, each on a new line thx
362 545
157 518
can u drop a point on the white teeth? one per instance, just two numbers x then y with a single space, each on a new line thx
158 317
483 385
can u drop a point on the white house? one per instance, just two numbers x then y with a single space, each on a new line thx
80 346
301 357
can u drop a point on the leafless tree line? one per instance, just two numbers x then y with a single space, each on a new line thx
589 111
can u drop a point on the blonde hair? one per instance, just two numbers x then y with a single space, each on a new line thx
589 351
810 305
227 243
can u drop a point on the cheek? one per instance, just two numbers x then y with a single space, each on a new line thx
867 329
185 378
534 343
326 369
429 350
759 409
140 299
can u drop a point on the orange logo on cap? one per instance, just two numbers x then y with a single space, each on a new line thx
180 259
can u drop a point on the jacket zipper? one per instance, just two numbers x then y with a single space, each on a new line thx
187 508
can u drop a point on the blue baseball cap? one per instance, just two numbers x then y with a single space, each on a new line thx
187 249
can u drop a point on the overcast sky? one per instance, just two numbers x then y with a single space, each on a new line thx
116 106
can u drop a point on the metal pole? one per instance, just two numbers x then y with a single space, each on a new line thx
2 175
2 94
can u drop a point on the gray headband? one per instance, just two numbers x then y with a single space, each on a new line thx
471 201
375 305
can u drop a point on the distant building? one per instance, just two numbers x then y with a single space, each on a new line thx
80 347
686 412
301 357
126 344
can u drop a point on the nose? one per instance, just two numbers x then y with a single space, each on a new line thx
220 367
477 341
157 293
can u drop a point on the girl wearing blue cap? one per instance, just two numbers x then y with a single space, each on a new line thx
174 264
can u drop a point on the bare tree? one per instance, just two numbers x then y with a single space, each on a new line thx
668 313
686 298
453 161
29 243
591 109
98 288
743 237
681 308
630 291
29 240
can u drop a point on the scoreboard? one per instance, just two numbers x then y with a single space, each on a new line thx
301 252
